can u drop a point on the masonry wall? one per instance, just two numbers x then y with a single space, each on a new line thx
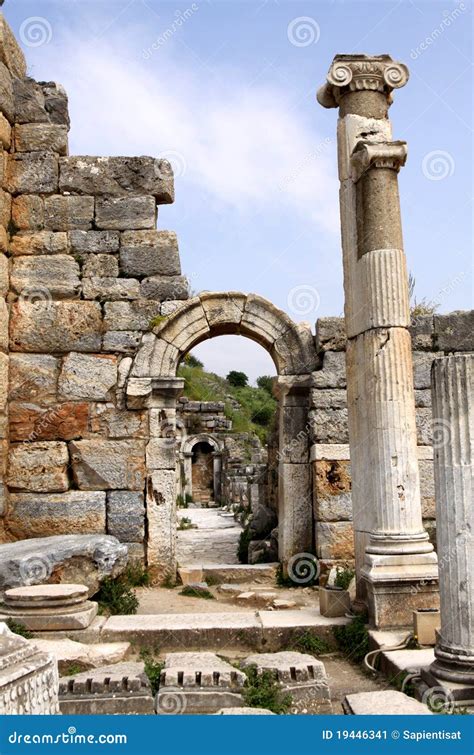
431 336
83 276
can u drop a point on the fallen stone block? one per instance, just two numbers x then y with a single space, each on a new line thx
122 689
28 678
383 703
43 608
191 575
70 654
198 683
300 675
79 559
244 712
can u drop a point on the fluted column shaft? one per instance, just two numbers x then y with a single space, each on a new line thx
452 386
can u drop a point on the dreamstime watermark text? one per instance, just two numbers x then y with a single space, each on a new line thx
180 18
449 18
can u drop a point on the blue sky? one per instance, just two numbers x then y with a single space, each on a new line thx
226 90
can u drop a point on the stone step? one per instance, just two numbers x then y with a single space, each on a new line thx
241 573
269 630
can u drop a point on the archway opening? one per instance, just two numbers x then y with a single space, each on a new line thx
202 474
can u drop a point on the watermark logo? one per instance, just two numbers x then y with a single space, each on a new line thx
437 165
303 300
439 700
171 702
36 31
176 160
303 568
303 31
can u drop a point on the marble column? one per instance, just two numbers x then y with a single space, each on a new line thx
396 566
452 386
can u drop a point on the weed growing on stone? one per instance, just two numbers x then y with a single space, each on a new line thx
310 643
261 690
343 577
153 669
243 546
353 638
194 592
185 523
136 575
17 628
73 668
115 597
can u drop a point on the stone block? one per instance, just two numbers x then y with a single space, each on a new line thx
27 212
122 341
84 376
329 425
5 208
32 173
110 422
300 675
147 253
332 490
455 332
5 132
161 453
108 464
422 333
55 326
136 315
168 307
29 102
55 102
38 137
163 287
118 176
383 702
100 266
67 213
422 362
124 213
63 421
4 275
334 540
330 334
110 289
423 399
333 372
28 679
38 467
40 242
334 602
424 427
70 654
126 515
328 398
3 325
198 683
11 54
33 378
83 559
7 105
122 688
94 242
428 504
70 513
45 277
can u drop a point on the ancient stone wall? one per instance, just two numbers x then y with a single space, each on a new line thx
431 336
83 275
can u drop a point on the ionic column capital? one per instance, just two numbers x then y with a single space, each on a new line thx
355 73
367 155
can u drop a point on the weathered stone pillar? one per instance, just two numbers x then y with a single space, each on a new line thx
395 563
161 492
295 510
452 386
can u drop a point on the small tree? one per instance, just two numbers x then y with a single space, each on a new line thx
237 379
192 361
265 382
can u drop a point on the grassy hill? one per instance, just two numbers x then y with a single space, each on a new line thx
251 409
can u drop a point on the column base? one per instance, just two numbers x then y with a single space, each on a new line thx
448 693
397 586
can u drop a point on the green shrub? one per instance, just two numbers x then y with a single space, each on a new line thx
261 690
153 669
237 379
116 597
73 668
353 638
243 546
310 643
17 628
185 523
194 592
135 575
343 577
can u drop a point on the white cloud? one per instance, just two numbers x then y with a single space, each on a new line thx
242 147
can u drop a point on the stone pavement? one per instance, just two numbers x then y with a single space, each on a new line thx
214 541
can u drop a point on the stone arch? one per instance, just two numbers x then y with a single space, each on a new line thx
186 452
153 383
290 345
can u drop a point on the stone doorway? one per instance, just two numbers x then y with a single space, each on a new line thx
202 474
153 384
